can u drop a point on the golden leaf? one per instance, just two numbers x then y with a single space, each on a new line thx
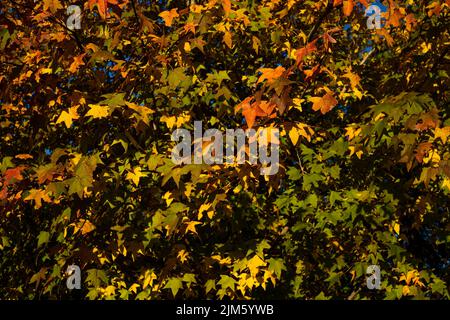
96 111
324 104
168 16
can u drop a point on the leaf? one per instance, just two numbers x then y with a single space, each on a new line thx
97 111
442 133
191 226
68 116
52 5
24 156
270 74
324 104
226 282
226 4
254 264
248 111
85 226
38 195
174 284
102 6
77 62
304 52
347 7
397 228
228 39
210 284
277 266
300 130
168 16
13 175
43 238
354 79
446 183
96 277
135 175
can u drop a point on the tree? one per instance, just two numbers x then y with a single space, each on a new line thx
86 172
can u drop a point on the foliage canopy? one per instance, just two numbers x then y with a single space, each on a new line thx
86 171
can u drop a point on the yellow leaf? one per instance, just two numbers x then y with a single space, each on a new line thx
96 111
294 135
135 175
397 228
168 197
352 132
425 47
405 290
169 121
183 119
227 39
110 291
298 103
187 46
205 207
143 112
38 195
256 43
353 77
191 226
148 279
446 183
86 226
353 150
168 16
442 133
221 260
68 116
134 287
253 265
410 275
182 255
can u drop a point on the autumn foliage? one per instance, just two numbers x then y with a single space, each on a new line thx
86 175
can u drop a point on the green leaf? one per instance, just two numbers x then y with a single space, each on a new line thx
174 284
276 266
44 237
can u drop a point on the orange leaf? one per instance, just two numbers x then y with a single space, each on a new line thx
303 52
227 39
348 7
168 16
270 74
13 174
324 104
52 5
226 4
77 62
102 6
38 195
24 156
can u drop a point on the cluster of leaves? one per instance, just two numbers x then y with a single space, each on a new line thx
86 175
